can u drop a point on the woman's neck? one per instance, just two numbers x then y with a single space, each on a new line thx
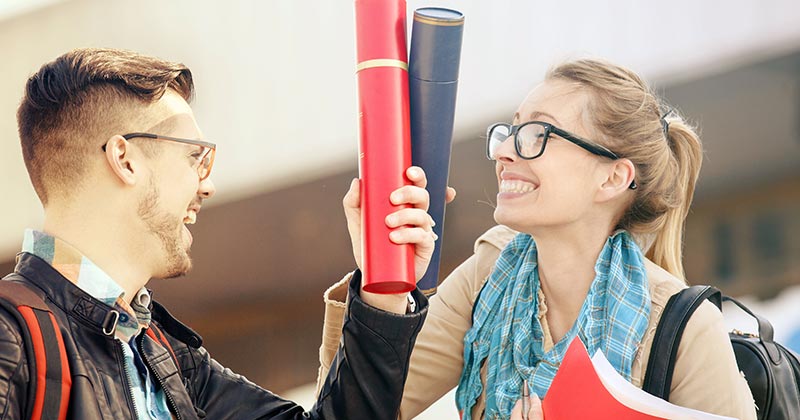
566 261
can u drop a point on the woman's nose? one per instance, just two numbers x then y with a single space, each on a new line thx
506 152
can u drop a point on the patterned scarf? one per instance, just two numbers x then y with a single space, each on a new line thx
506 329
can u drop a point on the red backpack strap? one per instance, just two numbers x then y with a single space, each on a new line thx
155 333
47 355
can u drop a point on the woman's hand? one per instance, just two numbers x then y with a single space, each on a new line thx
534 409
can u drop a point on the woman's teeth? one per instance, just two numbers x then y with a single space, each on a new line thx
515 186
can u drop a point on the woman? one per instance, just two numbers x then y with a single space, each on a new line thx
591 171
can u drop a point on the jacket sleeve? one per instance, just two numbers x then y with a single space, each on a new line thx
437 359
369 371
365 381
13 370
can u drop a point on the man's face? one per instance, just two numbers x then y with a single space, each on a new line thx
173 193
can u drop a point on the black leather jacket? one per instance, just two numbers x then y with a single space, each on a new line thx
365 382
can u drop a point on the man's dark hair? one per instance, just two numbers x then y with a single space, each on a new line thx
75 103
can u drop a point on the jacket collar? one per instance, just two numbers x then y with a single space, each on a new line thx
66 295
93 313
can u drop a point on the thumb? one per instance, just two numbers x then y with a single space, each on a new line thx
352 200
535 412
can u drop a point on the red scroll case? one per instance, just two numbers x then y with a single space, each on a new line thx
385 139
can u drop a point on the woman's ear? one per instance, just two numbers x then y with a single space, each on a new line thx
119 159
620 176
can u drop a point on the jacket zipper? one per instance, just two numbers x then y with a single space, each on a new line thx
170 400
128 379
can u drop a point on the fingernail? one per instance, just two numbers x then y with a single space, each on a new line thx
435 236
394 235
413 172
391 220
433 222
396 197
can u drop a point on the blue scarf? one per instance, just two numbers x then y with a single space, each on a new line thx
506 328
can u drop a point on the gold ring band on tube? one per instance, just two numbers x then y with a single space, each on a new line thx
438 22
381 62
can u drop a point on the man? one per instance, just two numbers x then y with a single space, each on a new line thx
116 157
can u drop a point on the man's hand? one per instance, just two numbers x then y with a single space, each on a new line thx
412 225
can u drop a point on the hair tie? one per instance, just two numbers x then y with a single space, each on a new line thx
665 123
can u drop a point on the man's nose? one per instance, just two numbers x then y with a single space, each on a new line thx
207 188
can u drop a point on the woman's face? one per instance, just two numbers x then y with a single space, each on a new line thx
558 188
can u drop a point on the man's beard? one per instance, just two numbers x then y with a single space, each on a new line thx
163 225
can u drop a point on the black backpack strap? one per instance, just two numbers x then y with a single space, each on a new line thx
47 355
664 351
765 331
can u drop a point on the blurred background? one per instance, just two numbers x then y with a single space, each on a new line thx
276 90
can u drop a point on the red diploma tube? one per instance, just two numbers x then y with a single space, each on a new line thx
384 141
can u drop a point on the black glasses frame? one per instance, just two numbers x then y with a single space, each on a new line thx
587 145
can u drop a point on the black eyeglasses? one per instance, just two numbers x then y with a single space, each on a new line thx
530 139
205 157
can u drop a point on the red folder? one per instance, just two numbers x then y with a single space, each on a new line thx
585 388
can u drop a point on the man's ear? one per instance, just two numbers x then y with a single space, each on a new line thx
620 176
120 161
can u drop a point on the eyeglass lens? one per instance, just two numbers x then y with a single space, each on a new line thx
529 140
204 170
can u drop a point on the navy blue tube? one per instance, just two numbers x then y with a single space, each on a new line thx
433 81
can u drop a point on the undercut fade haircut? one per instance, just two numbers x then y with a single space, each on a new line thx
75 103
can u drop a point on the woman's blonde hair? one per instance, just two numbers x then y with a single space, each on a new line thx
666 151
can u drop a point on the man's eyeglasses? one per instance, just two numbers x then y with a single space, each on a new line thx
205 156
530 139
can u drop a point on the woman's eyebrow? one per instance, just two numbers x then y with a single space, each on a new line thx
537 115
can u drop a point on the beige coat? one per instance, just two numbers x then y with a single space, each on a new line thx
705 377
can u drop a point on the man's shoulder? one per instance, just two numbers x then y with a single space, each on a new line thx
9 326
17 293
12 343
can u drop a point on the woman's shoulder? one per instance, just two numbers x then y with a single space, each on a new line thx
469 277
662 283
495 238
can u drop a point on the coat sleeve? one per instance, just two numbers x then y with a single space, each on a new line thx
437 359
706 376
365 381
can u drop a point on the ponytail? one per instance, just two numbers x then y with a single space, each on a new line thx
687 154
